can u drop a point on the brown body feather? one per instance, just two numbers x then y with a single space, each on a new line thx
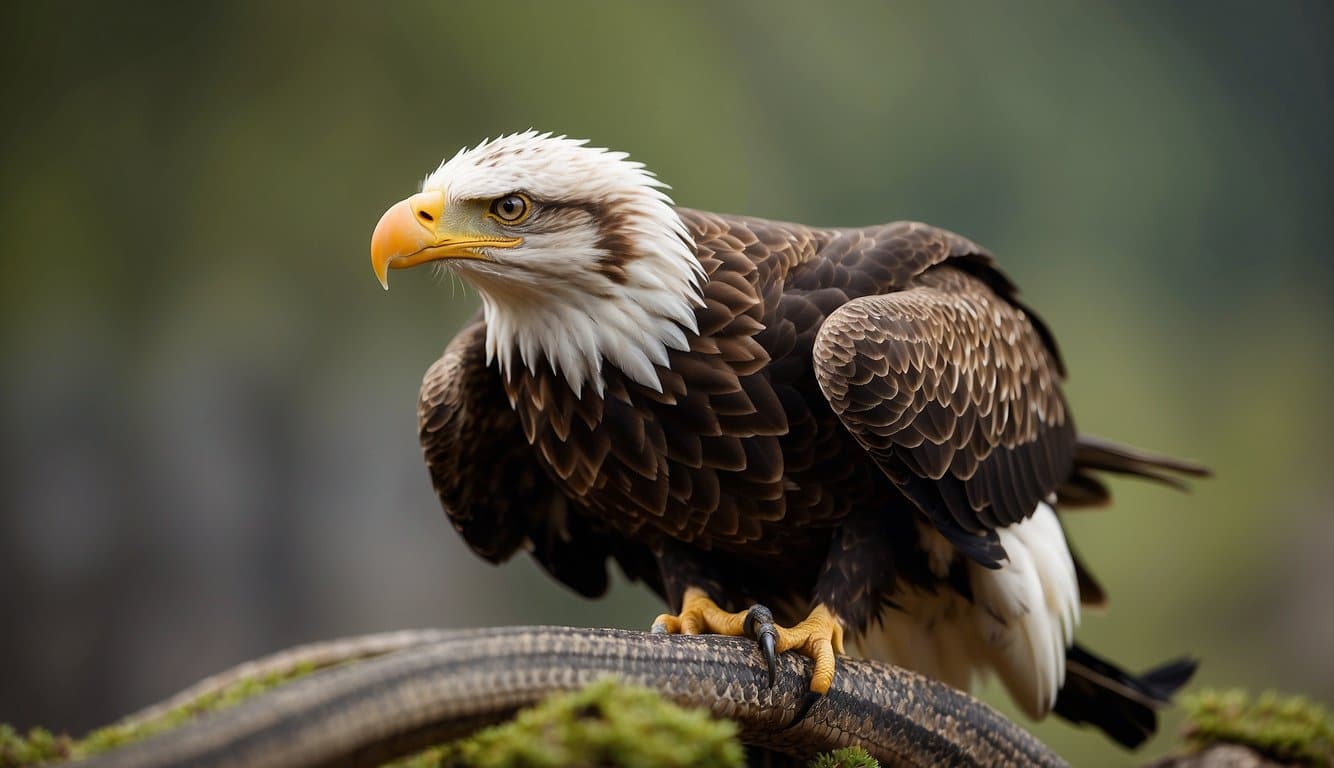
948 387
844 386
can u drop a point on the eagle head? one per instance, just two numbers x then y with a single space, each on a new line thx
577 253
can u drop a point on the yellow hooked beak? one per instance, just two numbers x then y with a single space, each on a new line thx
408 234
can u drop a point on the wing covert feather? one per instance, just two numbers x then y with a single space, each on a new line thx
947 381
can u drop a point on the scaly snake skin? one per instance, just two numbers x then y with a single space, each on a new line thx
443 685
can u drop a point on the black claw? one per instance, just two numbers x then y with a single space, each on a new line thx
767 646
807 701
759 624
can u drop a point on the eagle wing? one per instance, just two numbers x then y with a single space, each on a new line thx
492 488
952 387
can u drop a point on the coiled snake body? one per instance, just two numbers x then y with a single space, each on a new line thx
436 686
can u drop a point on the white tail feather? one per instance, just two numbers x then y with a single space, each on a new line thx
1021 620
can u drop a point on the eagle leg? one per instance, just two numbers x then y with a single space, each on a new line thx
819 637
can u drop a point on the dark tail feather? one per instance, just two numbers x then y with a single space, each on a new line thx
1120 704
1093 454
1091 592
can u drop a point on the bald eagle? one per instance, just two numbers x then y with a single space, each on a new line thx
803 435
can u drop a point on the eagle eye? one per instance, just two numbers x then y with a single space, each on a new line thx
511 209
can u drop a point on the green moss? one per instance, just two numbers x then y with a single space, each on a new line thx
848 757
117 735
608 724
605 724
1286 729
431 758
40 746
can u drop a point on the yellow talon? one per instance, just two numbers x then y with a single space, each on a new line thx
819 637
700 615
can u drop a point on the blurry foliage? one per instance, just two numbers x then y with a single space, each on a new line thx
207 415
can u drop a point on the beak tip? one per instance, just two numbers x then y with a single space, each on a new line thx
398 232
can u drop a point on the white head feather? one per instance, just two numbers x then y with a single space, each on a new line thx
562 296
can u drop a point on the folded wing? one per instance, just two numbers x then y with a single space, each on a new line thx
954 391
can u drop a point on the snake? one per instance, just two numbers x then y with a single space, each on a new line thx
413 690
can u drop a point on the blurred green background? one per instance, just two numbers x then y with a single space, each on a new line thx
207 414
